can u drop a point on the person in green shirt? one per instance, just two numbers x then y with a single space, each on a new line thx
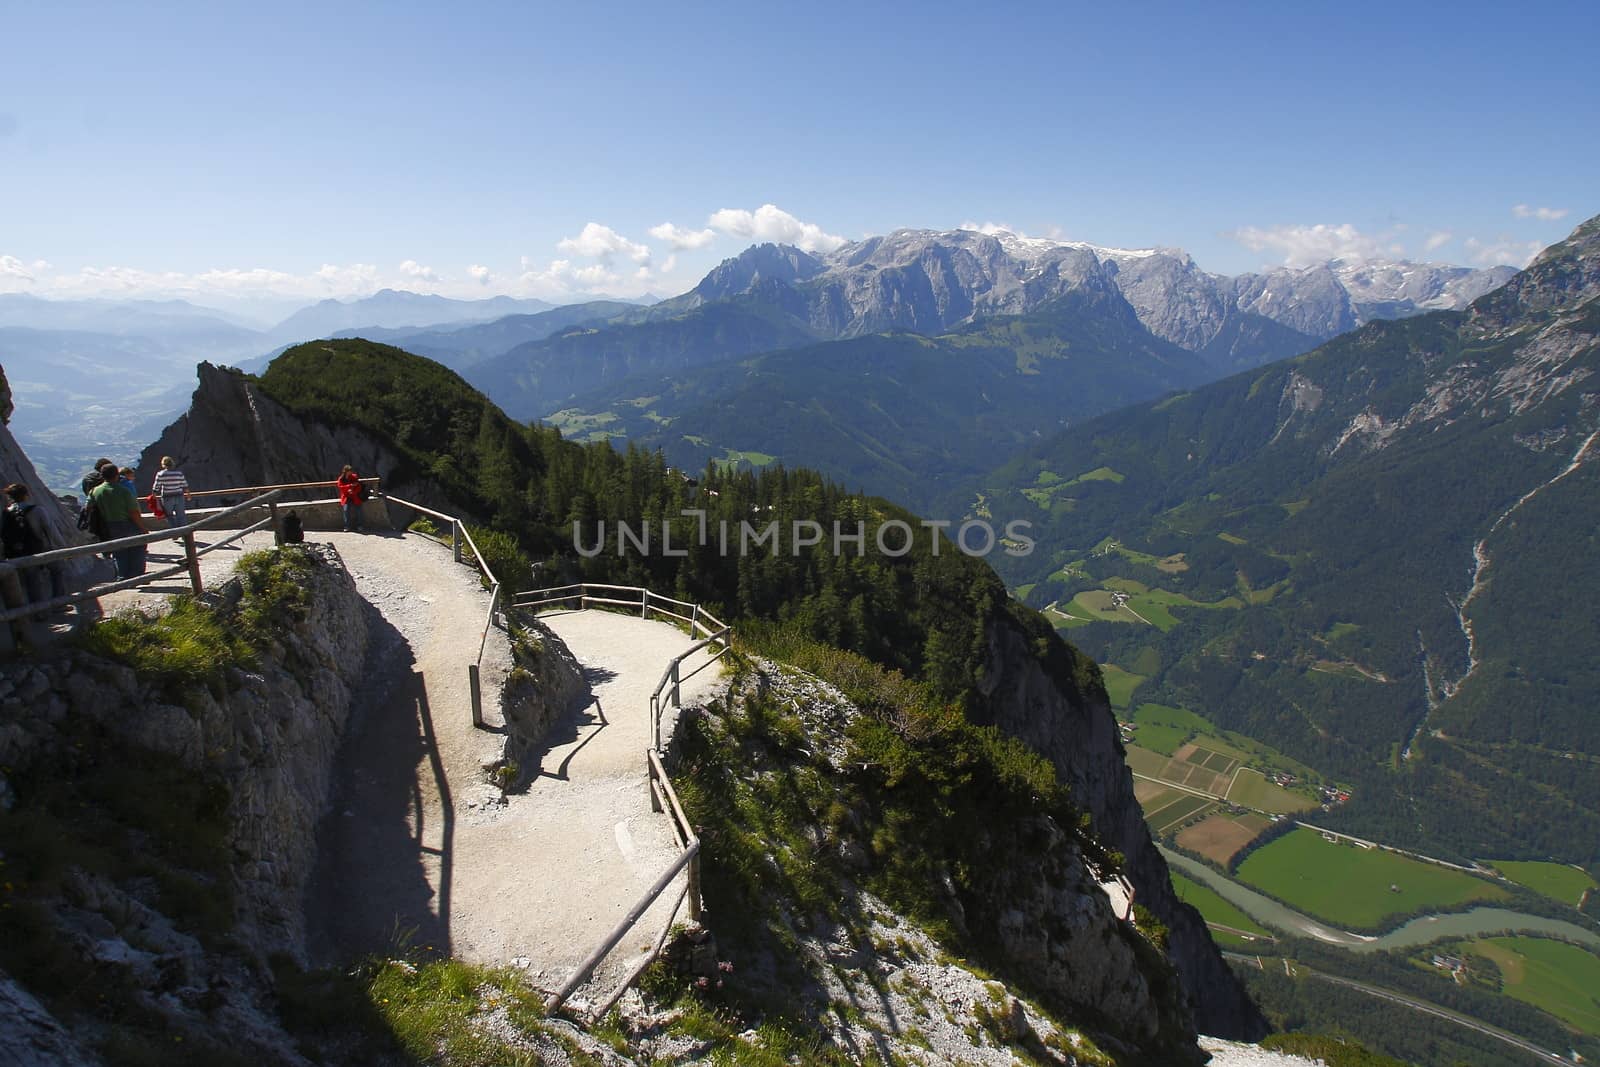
120 510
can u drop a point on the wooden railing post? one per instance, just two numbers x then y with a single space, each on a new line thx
650 771
677 665
477 694
272 513
11 595
694 888
455 539
193 560
644 603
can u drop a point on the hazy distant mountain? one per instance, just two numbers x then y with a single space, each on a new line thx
393 308
165 318
462 346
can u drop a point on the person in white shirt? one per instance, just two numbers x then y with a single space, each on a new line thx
173 489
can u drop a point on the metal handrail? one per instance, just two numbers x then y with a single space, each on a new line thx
662 796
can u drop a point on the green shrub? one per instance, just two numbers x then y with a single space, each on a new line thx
510 564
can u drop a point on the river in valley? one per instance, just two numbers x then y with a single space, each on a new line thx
1420 931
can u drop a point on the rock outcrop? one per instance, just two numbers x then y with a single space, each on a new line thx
1042 700
256 741
235 435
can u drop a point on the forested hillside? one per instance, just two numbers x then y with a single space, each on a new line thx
1378 557
900 414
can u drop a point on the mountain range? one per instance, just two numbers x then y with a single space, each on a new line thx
813 358
537 360
1378 557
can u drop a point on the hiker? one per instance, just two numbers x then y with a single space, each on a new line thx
92 480
350 497
119 510
125 479
172 488
24 535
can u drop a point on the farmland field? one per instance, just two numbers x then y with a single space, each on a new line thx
1353 886
1212 907
1252 790
1554 976
1120 684
1176 812
1143 790
1217 837
1163 729
1145 762
1554 880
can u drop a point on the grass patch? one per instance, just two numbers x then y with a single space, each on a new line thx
1357 887
1553 976
1100 474
194 643
1213 907
1554 880
1251 789
1120 684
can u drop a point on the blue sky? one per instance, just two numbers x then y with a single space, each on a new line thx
224 151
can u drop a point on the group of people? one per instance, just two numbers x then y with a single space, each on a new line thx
112 508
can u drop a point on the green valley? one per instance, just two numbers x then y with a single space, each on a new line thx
1372 558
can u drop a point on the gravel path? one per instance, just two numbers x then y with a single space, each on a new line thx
420 849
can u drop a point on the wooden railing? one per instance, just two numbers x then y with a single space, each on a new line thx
459 535
663 798
10 569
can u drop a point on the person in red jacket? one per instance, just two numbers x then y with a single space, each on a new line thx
350 494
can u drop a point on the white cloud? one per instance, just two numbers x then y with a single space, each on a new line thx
1303 246
480 274
561 279
990 228
17 276
1438 240
417 272
681 239
1502 251
771 223
1543 214
602 243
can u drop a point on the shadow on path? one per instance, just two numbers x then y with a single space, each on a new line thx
391 821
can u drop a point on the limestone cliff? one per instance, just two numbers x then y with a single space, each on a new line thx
162 828
1034 691
235 435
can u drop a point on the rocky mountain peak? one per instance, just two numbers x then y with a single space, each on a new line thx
768 262
1563 277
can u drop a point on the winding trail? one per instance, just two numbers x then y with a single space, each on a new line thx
419 849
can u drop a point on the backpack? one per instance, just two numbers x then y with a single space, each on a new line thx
14 532
91 521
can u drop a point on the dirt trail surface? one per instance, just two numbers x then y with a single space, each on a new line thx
420 849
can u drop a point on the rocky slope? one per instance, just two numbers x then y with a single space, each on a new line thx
1033 699
160 828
